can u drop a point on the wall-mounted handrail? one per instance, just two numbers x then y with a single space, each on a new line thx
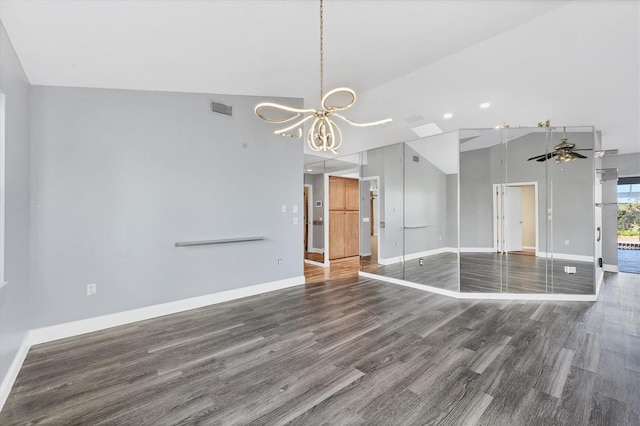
222 241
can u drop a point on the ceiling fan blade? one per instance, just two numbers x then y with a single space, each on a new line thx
575 154
543 157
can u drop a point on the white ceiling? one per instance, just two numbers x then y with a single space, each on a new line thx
270 48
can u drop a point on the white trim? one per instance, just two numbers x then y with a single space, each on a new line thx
325 207
12 374
312 262
404 283
564 256
74 328
417 255
486 296
477 250
610 268
316 250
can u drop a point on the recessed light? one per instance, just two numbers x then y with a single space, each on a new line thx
448 115
485 105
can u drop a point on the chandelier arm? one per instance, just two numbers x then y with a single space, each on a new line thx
297 112
358 124
311 139
335 142
330 108
296 124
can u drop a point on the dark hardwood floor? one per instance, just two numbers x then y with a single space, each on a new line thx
349 351
492 273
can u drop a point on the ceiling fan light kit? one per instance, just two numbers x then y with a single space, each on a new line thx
324 134
563 152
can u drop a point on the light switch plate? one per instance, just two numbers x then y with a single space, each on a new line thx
284 208
295 209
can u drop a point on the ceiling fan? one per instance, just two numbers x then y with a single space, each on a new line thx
563 152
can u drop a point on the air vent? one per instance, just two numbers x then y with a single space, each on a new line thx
222 108
416 158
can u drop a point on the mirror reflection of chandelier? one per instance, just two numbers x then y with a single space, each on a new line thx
324 134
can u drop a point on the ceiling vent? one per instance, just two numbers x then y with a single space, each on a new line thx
416 158
222 109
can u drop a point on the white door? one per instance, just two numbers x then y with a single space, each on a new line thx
513 218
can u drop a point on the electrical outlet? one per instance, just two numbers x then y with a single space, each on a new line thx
284 208
295 220
421 262
566 242
91 289
295 209
279 261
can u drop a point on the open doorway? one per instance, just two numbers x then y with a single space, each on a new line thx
515 218
628 197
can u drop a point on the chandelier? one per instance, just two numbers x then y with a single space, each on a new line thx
324 134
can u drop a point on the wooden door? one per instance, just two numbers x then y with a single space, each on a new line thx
337 193
351 233
336 232
352 194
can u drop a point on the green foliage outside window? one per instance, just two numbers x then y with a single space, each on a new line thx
629 219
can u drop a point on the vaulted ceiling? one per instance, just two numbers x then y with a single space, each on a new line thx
574 62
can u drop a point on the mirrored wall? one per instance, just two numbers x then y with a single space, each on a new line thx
473 211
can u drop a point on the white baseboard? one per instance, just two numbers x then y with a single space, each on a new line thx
610 268
316 250
75 328
564 256
313 262
417 255
12 374
477 250
486 296
529 247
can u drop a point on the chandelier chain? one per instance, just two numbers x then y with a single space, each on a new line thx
321 51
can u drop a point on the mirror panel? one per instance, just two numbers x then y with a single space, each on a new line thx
431 211
382 175
571 204
481 167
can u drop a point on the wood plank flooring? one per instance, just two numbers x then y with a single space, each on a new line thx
492 273
350 351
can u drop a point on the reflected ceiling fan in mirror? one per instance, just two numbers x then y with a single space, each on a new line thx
563 152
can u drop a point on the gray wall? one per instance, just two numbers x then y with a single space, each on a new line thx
119 176
627 165
15 306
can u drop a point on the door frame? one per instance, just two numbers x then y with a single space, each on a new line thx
377 201
309 208
343 173
496 203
